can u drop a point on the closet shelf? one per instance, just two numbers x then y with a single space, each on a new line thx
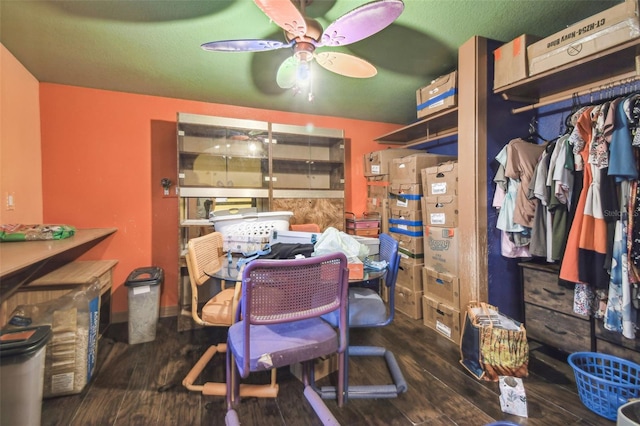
429 129
596 71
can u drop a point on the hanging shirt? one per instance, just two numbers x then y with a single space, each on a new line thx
522 157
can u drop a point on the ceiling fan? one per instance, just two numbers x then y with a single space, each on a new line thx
303 35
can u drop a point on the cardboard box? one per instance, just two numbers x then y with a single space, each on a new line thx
356 269
405 221
377 189
322 367
410 274
414 245
407 170
441 249
408 301
377 162
440 180
410 260
441 94
406 254
442 287
405 196
442 318
606 29
510 61
380 205
412 217
440 210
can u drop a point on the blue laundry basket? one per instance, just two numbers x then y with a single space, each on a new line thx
605 382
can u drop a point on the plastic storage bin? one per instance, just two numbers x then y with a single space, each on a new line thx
22 354
629 414
605 382
144 286
72 351
249 231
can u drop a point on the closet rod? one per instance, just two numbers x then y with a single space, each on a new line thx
628 78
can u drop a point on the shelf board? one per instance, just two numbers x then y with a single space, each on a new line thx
427 130
307 161
616 61
219 154
195 222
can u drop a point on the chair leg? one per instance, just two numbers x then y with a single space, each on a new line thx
197 369
220 389
370 391
321 409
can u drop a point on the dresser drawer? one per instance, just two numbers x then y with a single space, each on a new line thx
605 347
612 343
541 288
564 332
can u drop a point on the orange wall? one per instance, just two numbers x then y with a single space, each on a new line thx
97 153
20 155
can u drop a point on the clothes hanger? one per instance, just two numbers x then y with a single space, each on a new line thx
533 133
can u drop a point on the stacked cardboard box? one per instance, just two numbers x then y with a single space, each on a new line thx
616 25
376 170
405 224
510 61
440 94
441 285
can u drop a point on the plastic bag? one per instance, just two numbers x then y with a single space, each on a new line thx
333 240
20 232
72 351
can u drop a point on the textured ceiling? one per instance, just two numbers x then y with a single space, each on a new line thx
153 47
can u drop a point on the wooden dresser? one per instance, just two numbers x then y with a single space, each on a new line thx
548 310
549 317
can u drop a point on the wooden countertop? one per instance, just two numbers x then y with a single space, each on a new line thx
19 261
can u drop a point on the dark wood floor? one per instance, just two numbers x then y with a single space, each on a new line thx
141 385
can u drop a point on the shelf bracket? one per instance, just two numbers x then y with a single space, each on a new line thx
515 98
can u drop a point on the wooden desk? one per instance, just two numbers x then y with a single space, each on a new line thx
25 261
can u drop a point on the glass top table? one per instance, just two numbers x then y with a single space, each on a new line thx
230 272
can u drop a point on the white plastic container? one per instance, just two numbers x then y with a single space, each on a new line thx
293 237
22 374
629 414
248 232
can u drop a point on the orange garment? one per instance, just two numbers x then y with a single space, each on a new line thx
569 270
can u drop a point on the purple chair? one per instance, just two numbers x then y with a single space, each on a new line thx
279 323
368 309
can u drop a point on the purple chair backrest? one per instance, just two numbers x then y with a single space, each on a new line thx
276 291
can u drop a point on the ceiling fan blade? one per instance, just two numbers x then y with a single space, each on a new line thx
286 77
285 15
244 45
347 65
362 22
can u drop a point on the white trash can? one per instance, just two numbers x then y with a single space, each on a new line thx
144 286
629 414
22 354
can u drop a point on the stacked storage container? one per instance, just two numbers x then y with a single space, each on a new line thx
376 170
406 226
441 285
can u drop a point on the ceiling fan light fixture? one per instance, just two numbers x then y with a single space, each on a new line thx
303 53
305 34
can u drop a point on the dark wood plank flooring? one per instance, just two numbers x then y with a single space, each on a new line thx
142 385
